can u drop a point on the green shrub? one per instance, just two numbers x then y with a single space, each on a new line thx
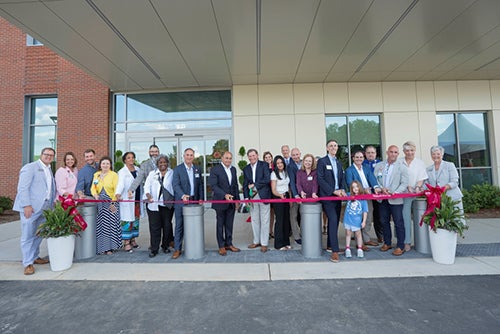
5 203
481 196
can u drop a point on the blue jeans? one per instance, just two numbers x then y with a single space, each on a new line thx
396 211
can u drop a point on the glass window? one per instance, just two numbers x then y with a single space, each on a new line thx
353 133
31 41
43 125
464 137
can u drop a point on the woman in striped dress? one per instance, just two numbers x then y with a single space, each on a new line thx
108 228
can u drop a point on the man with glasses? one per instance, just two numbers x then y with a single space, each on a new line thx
36 191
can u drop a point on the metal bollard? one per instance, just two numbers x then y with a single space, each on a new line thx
420 233
194 231
85 245
310 218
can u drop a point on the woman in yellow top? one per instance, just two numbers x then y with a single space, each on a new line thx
108 228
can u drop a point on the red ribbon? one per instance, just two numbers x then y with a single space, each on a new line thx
377 197
433 195
69 202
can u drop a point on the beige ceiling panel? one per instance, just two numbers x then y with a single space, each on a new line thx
332 28
237 25
149 38
193 28
482 75
471 25
250 79
369 76
271 78
377 21
424 21
404 76
85 21
339 76
285 29
57 35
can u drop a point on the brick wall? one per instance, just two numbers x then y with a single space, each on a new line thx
83 103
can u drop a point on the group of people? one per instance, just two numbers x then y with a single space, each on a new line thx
166 191
289 176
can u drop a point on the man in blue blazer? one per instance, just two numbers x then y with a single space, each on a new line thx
331 183
36 191
224 183
187 186
256 185
364 175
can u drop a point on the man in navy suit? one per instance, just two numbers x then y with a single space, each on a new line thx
187 187
331 183
224 185
256 185
36 191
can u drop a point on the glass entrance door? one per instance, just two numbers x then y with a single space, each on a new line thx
208 151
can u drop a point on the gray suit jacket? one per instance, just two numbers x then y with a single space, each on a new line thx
32 188
447 174
399 179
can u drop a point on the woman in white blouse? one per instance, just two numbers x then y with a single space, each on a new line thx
280 187
130 212
158 189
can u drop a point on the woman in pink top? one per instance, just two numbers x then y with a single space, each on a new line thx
66 177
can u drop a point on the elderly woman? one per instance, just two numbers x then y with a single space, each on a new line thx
108 229
444 174
158 189
130 212
416 177
66 177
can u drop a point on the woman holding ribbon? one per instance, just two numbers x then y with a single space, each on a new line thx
280 187
158 189
66 177
130 211
444 174
108 229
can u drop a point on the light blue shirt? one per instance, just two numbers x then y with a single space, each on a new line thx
190 173
335 172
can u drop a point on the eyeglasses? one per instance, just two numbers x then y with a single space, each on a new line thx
48 154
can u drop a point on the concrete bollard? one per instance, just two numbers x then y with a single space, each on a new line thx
85 245
420 233
310 218
194 231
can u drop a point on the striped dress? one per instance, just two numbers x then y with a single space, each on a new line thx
108 227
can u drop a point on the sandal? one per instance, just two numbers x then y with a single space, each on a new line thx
284 248
134 244
127 247
110 252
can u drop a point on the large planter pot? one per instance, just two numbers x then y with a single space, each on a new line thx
61 252
443 246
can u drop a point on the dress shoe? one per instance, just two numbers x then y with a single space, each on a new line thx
153 254
380 240
176 254
232 249
29 269
252 246
371 243
365 248
222 251
398 252
407 247
41 261
263 249
298 241
171 244
329 249
335 257
385 248
165 250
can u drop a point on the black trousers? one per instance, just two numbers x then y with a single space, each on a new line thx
225 220
377 224
282 225
160 227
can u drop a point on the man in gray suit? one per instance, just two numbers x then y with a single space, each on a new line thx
392 177
36 191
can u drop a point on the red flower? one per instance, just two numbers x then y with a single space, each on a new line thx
433 195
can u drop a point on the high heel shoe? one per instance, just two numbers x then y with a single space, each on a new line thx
127 247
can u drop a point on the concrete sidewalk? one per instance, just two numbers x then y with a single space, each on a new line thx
477 254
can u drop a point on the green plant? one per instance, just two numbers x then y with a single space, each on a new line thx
5 203
481 196
446 215
118 161
62 220
242 163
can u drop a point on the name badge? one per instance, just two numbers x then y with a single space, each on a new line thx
329 167
309 178
196 175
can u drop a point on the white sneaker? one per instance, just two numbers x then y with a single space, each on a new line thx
348 252
360 253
